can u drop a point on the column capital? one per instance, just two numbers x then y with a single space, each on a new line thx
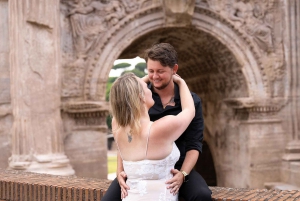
88 114
256 109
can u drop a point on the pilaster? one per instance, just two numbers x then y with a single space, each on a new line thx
37 144
265 141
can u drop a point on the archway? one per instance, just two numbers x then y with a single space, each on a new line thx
217 63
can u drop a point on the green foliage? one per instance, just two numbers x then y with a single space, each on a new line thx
108 121
141 66
121 65
111 79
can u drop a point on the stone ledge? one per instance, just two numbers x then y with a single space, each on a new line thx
25 186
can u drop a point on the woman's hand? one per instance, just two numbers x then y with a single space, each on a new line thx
122 182
146 79
177 78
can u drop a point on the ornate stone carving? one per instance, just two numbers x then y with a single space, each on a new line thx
250 109
259 23
89 22
88 114
178 11
251 16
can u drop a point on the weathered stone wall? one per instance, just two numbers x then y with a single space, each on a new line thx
5 99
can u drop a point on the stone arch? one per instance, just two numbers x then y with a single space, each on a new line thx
151 19
207 23
129 38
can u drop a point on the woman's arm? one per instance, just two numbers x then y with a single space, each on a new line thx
145 78
179 123
186 99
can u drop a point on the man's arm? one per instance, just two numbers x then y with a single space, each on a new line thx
190 161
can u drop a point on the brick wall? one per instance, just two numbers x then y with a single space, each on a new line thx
24 186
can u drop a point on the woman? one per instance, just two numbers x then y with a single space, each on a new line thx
147 148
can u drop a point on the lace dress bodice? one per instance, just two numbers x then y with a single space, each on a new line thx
146 178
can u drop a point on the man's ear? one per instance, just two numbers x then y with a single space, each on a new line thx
175 69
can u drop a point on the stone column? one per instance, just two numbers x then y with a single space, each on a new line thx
37 144
86 137
293 61
264 138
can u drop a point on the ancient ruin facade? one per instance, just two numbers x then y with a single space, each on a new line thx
240 56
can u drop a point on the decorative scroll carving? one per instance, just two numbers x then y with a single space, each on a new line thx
250 109
82 107
87 113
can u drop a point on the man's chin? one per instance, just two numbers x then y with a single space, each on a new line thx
159 87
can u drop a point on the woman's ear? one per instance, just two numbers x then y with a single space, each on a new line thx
142 97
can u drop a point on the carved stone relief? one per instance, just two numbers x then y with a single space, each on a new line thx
178 11
261 21
88 114
88 22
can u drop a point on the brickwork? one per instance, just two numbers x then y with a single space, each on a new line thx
231 194
24 186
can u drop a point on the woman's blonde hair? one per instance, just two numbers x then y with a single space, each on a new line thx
126 101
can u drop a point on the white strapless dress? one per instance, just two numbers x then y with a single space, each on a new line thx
146 178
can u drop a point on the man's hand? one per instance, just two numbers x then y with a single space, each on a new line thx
176 182
122 182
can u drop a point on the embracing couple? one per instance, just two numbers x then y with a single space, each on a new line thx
158 128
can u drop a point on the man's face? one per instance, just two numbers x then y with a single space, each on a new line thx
159 76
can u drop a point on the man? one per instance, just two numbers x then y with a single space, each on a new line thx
165 94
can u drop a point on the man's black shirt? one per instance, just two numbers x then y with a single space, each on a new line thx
192 137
